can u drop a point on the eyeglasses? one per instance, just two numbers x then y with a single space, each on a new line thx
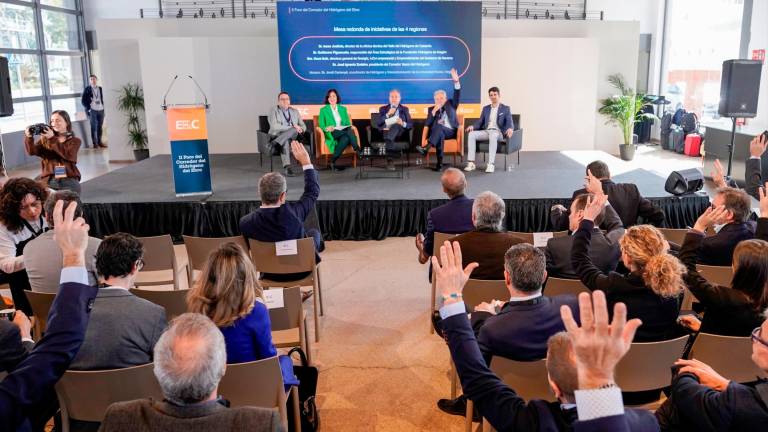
139 264
756 336
36 205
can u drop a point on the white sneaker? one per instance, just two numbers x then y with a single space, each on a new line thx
489 168
470 166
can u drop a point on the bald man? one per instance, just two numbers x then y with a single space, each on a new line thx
453 217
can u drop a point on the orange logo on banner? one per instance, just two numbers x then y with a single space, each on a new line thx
187 123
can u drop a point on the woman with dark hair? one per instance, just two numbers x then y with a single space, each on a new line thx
57 149
21 221
335 123
734 310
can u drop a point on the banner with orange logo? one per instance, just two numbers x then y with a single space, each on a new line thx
188 134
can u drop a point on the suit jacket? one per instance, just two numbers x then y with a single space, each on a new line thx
520 331
487 248
453 217
147 415
277 122
659 314
87 97
34 378
42 260
718 249
402 111
12 349
754 176
604 249
325 119
450 107
122 332
505 409
503 118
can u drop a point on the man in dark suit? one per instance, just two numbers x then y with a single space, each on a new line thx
27 386
15 341
394 122
625 198
495 124
717 250
453 217
703 400
190 360
277 220
754 174
442 120
604 249
93 103
592 354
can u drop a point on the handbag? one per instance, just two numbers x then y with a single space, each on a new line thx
307 375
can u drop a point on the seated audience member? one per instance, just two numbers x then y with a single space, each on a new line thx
15 340
43 260
453 217
394 123
190 360
228 292
701 400
517 328
604 250
734 310
21 220
718 249
276 220
123 328
652 290
25 391
625 198
488 242
753 174
580 366
337 126
285 125
495 124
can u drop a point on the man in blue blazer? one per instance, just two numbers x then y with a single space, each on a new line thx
717 250
442 120
394 122
33 379
495 124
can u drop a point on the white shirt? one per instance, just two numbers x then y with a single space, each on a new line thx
9 262
336 116
492 121
389 121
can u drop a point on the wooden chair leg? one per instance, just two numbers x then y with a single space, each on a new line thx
319 289
432 305
468 416
454 379
295 407
316 312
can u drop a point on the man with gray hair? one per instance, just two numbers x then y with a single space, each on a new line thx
489 240
190 360
442 120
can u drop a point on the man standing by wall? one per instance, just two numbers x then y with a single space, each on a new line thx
93 102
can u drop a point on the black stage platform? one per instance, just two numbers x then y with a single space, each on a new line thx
139 198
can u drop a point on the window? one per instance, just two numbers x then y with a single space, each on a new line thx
24 114
18 24
61 31
66 4
25 75
70 105
65 74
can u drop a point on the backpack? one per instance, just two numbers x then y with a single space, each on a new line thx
666 122
307 375
690 123
678 117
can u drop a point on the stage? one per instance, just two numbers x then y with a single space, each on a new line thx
140 199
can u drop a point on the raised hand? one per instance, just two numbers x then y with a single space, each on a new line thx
454 75
594 207
449 276
70 233
593 184
763 193
757 146
300 153
710 217
706 375
718 175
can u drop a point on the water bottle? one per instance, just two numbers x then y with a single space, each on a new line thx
510 167
418 160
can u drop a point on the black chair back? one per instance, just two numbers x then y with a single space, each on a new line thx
516 121
263 123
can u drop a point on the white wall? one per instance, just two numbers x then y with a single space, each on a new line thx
123 67
759 40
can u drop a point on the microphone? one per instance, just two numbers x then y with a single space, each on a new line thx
207 105
165 105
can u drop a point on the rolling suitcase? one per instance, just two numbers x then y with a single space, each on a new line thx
677 140
693 145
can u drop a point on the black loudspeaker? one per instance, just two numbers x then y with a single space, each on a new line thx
739 88
90 40
684 182
6 102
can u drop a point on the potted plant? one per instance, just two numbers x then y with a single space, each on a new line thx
131 102
623 110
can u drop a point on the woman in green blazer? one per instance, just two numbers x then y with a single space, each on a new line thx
334 121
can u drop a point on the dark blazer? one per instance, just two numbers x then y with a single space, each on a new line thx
753 176
718 249
122 332
505 409
147 415
659 314
487 248
604 249
12 349
87 97
34 378
625 198
503 118
729 312
450 107
402 111
694 407
520 331
453 217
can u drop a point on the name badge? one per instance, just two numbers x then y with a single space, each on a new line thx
59 172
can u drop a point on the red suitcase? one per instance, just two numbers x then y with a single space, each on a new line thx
693 145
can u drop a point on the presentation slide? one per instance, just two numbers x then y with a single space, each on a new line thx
364 49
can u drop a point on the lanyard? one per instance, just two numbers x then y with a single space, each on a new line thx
29 227
287 117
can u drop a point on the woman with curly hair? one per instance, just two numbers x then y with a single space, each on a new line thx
21 221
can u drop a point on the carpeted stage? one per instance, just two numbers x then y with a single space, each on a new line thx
140 199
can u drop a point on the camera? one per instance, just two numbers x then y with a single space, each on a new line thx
38 129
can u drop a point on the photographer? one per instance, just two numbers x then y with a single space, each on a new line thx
57 147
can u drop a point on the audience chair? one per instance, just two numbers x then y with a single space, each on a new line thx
198 249
674 235
647 365
507 146
322 150
729 356
439 239
86 395
477 291
688 300
376 137
557 286
289 323
453 147
41 305
259 383
528 237
173 301
266 260
716 275
160 264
